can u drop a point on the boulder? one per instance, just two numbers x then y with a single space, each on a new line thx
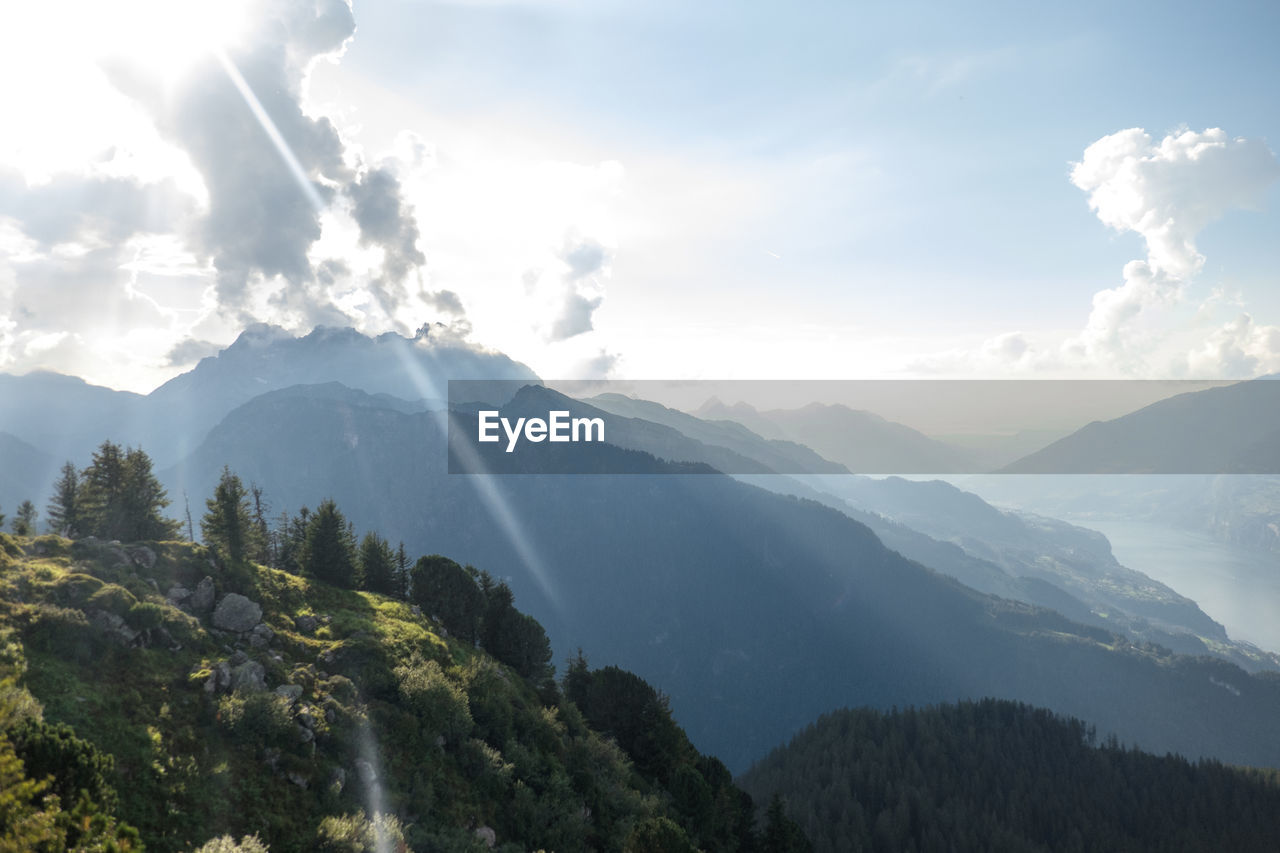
306 623
261 635
113 626
290 692
236 613
487 835
178 595
142 556
202 598
249 676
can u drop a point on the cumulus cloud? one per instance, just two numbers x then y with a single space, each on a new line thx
580 290
1238 349
286 193
1166 192
190 350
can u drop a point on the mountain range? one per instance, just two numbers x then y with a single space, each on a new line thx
753 611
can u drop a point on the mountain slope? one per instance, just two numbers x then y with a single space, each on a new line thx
755 612
240 700
1234 429
863 442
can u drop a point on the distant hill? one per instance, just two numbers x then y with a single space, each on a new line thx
755 612
1234 429
1002 776
863 442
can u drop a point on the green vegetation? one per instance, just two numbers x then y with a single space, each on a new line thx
996 775
313 715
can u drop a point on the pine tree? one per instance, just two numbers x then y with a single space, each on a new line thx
24 523
402 573
226 527
377 564
120 498
261 551
328 553
64 509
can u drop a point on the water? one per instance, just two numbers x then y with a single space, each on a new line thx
1235 586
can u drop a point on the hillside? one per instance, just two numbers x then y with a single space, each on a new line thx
234 699
1003 776
1227 430
755 612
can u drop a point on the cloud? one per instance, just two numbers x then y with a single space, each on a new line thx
293 209
190 350
581 290
1166 193
1240 348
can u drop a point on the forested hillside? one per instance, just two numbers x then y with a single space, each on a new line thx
177 693
995 775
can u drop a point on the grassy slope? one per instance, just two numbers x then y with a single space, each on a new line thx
457 740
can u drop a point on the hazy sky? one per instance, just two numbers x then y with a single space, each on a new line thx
656 189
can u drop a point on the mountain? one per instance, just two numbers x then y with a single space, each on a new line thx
197 699
1003 776
755 612
863 442
25 473
1233 429
67 418
775 455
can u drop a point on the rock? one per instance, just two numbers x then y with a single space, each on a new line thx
415 610
236 613
290 692
306 623
113 626
142 556
239 657
249 676
202 598
154 585
223 671
329 716
261 635
298 779
487 835
305 734
366 772
122 559
178 595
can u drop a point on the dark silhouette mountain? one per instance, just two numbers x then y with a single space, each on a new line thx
863 442
1234 429
755 612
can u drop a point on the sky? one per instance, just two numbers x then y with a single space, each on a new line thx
649 189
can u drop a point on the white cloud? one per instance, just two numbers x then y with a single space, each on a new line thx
1239 349
1166 193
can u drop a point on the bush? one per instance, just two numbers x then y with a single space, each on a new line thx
439 703
112 598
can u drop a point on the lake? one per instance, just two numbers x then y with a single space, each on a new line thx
1237 587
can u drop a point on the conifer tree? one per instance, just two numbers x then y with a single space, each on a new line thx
328 553
24 523
377 564
226 527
